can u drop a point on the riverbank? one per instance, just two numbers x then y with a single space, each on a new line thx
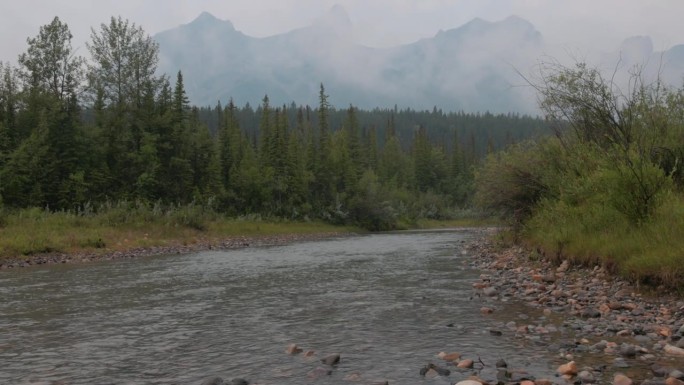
603 324
199 244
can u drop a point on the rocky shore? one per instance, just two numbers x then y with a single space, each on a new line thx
200 245
599 329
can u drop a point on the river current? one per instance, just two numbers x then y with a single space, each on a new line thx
388 303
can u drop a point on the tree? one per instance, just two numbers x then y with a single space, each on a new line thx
49 65
124 60
121 79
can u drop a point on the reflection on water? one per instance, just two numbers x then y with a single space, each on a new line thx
383 301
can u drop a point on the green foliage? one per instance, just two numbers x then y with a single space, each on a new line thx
605 191
130 136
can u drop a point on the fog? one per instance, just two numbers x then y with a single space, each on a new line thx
381 52
578 25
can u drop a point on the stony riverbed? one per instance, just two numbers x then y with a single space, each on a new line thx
600 328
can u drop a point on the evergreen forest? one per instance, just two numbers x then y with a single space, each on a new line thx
81 136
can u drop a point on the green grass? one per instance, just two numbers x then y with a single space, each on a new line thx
35 231
457 223
650 253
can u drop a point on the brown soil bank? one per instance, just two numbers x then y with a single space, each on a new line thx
605 325
225 244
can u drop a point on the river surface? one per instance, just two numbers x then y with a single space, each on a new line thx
388 303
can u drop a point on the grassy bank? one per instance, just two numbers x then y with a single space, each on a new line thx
651 252
36 231
127 226
608 189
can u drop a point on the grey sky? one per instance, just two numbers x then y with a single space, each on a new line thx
575 25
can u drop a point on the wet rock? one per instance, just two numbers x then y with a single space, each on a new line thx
673 381
331 359
503 376
543 381
238 381
478 379
620 362
486 310
500 363
627 350
319 372
669 349
495 332
676 374
569 368
586 377
526 382
293 349
431 370
213 381
653 381
449 356
490 291
354 376
590 313
309 353
621 379
468 382
465 364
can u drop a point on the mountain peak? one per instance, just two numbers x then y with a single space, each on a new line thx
207 19
336 19
637 49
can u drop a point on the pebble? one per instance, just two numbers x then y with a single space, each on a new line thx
592 303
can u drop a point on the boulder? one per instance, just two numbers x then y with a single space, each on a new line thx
627 350
676 374
293 349
213 381
319 372
673 381
570 369
431 370
670 349
331 359
465 364
621 379
586 377
449 356
490 291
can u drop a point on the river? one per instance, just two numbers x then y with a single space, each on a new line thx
388 303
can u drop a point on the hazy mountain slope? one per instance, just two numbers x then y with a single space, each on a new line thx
471 68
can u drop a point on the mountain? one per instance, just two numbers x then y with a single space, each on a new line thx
470 68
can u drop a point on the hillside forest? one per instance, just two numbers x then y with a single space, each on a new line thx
82 136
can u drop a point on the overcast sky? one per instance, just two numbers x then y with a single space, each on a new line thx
576 25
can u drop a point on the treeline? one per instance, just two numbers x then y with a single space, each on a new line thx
77 134
609 188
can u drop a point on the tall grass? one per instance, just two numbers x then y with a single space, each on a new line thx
127 225
651 253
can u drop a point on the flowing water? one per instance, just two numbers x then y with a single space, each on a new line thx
388 303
